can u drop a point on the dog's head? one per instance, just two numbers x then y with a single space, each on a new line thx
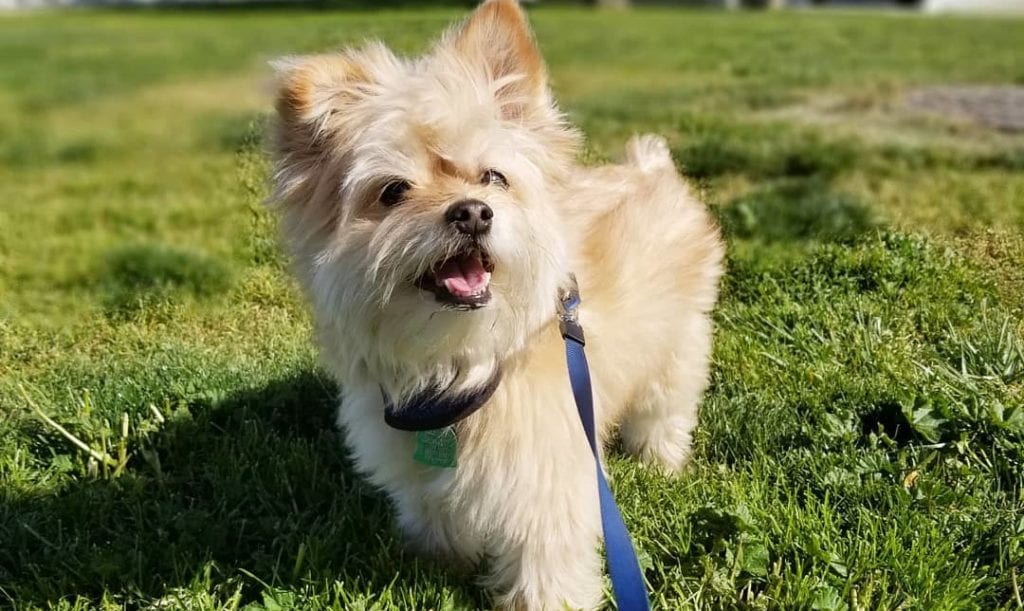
417 194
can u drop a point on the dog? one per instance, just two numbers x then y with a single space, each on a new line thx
434 209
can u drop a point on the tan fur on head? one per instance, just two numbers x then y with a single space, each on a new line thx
498 39
473 121
351 122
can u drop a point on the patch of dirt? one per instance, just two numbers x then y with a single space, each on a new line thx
998 107
1002 252
911 118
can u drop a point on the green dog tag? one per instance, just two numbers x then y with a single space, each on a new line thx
436 448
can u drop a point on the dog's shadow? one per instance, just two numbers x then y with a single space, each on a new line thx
248 494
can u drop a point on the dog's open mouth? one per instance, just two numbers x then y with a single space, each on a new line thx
463 281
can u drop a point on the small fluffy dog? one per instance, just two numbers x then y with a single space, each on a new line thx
434 209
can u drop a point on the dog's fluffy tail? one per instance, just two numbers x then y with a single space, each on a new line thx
648 152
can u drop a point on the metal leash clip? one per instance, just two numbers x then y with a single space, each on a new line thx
568 312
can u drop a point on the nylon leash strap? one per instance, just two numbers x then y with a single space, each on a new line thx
623 567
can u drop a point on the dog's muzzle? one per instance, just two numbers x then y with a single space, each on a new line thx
462 281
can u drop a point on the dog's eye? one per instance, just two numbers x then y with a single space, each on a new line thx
393 192
494 178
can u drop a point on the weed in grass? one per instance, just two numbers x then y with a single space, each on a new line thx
990 346
234 132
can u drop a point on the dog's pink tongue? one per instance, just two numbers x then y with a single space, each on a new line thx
464 276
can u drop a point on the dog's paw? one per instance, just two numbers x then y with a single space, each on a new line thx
649 153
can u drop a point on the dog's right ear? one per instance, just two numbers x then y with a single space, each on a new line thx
316 96
311 88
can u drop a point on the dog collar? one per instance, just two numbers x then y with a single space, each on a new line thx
437 407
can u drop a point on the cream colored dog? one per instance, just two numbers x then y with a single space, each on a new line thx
434 209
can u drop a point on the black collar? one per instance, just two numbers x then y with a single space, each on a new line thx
436 407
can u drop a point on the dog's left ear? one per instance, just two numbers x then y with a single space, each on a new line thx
497 38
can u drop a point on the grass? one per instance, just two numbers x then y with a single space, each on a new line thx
861 444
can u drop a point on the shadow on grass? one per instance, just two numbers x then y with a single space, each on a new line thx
796 210
761 151
251 488
137 276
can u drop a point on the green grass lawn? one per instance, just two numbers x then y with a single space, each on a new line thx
861 444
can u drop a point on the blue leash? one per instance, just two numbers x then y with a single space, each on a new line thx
627 579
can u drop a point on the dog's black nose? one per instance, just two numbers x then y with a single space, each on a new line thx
470 216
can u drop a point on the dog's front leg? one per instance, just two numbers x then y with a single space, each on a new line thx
433 534
553 561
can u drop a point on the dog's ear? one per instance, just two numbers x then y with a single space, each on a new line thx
311 88
316 97
498 39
